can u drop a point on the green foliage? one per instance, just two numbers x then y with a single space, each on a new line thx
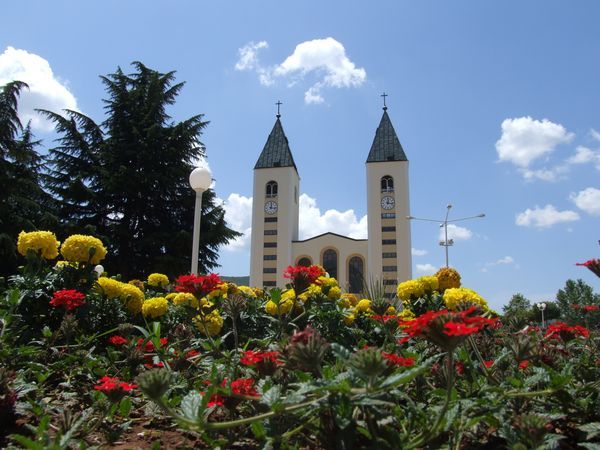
24 205
129 177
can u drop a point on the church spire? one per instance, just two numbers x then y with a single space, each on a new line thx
276 152
386 145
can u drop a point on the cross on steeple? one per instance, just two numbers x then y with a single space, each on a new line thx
384 95
278 105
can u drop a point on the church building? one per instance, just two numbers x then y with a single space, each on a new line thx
385 255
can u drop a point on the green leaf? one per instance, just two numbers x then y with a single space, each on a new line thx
272 398
125 407
340 352
589 445
258 429
591 429
404 377
190 406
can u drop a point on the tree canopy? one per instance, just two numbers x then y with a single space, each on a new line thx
127 178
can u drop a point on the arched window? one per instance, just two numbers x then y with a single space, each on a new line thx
387 184
271 189
356 274
305 262
330 262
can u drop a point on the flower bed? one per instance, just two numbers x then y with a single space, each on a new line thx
89 360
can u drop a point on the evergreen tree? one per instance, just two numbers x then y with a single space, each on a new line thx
24 205
130 177
572 301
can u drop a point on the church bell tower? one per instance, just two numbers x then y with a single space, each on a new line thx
274 210
389 249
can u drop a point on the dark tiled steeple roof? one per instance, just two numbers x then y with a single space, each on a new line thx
276 152
386 146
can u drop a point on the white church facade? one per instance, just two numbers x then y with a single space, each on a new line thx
386 253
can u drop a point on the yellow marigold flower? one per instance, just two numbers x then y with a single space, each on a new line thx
77 248
61 264
345 301
290 294
390 311
447 278
455 297
155 307
38 241
258 292
109 287
363 306
158 280
209 324
133 298
410 288
187 299
327 281
247 291
334 293
284 307
349 319
406 314
170 297
430 283
137 283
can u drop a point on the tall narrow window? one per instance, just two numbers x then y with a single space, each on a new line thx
356 274
330 262
305 262
271 189
387 184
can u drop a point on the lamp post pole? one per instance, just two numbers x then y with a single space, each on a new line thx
200 180
542 307
444 223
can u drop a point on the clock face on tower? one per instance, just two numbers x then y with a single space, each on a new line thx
271 207
387 202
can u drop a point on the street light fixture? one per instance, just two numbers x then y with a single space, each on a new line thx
444 224
200 180
542 307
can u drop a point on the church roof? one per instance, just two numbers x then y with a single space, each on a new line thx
276 152
386 145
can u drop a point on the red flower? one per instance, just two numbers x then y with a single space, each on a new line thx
149 346
384 318
459 329
488 363
117 340
154 365
590 308
265 362
592 264
199 285
244 386
560 330
524 364
399 361
114 388
215 400
69 298
445 328
302 277
191 354
459 367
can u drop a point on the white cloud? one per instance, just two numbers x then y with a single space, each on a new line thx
456 233
588 200
46 91
544 217
238 215
584 155
325 58
417 252
426 269
525 139
552 174
595 135
313 222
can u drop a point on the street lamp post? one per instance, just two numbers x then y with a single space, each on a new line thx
444 224
200 180
542 307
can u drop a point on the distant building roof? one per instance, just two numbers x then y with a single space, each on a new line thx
276 152
386 145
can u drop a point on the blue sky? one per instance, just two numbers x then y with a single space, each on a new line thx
495 103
